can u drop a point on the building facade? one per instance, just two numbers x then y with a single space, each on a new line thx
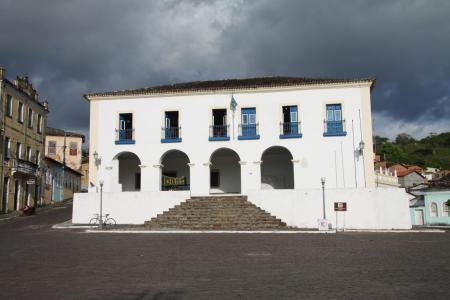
64 146
61 181
23 124
85 172
246 136
433 210
63 153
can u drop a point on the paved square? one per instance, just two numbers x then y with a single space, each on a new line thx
38 262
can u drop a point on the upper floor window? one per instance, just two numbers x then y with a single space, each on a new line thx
444 209
125 133
39 123
29 153
51 148
20 112
433 210
73 148
334 123
9 106
290 127
171 132
219 130
248 129
30 118
7 147
19 150
38 157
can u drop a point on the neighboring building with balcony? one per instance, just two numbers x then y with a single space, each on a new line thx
23 122
271 139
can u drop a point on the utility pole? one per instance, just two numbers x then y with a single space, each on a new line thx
63 169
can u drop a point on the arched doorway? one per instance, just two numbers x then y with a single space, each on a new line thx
277 171
175 172
225 172
129 171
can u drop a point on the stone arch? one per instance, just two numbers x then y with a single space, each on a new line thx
129 171
277 170
225 171
175 171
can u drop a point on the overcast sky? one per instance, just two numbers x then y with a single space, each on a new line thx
69 48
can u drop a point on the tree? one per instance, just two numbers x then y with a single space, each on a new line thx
404 139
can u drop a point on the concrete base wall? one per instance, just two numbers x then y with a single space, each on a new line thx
366 208
125 207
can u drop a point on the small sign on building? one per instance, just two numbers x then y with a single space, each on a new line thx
340 206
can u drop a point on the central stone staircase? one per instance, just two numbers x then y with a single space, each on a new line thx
216 213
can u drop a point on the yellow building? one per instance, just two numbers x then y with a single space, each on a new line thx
64 146
23 122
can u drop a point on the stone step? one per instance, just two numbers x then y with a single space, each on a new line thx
217 212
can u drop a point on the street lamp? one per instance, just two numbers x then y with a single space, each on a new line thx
100 224
97 159
322 180
361 147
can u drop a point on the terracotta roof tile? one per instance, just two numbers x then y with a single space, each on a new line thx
229 84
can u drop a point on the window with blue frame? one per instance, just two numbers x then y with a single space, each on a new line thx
171 131
334 123
219 130
290 127
125 133
248 127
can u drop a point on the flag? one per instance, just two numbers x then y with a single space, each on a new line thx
233 104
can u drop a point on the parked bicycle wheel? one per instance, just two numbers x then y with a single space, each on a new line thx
93 221
110 222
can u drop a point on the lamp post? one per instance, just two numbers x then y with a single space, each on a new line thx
361 147
322 180
100 223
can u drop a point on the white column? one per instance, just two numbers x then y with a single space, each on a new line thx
199 173
146 178
298 182
153 178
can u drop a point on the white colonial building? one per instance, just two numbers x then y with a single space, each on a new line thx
273 139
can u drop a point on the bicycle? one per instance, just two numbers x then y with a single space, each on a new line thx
107 221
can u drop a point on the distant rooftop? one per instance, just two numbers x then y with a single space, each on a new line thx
60 132
230 85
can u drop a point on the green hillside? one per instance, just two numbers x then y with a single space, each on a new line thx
431 151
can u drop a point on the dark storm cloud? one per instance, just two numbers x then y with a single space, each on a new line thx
72 47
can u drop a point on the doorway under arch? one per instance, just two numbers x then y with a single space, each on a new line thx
225 172
175 171
277 170
129 171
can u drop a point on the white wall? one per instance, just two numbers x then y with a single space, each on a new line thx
381 208
125 207
367 208
314 155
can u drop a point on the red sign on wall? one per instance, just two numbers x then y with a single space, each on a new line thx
340 206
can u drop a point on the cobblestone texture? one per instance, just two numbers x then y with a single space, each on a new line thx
38 262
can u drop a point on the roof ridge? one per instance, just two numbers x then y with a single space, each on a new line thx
227 84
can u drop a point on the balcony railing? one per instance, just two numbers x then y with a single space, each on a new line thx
170 134
24 167
290 130
248 132
334 128
219 133
125 136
